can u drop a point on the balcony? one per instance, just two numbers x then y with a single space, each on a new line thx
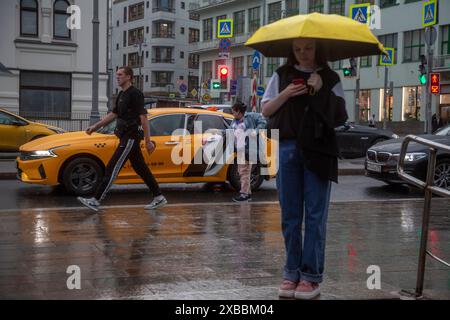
161 84
200 5
166 60
209 45
163 35
442 63
163 9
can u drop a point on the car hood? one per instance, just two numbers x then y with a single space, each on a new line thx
62 139
395 145
43 125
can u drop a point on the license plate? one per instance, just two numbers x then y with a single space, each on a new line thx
374 167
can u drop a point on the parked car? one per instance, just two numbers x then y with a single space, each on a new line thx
354 140
16 131
77 160
381 160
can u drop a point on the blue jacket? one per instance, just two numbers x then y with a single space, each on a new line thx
254 120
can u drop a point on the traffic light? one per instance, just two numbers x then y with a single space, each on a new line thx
215 85
223 76
423 70
351 71
435 85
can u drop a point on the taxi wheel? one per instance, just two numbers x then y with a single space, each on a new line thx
256 179
82 176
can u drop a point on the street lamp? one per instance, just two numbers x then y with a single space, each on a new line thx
140 44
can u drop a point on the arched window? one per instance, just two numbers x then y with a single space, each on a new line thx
29 18
60 16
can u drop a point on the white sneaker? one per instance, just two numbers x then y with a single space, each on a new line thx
157 202
91 203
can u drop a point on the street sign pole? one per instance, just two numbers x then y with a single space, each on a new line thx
357 106
429 97
385 96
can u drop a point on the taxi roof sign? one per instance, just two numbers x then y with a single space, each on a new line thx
429 13
360 12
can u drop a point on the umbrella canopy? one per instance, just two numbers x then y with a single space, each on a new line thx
341 37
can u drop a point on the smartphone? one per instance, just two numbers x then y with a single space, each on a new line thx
298 81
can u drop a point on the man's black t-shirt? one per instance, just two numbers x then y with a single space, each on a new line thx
129 107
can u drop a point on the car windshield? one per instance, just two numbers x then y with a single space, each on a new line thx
108 129
445 131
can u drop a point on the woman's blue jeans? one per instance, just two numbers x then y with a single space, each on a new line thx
302 194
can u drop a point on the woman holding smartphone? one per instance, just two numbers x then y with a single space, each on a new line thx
305 101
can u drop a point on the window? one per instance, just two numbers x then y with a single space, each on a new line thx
445 39
135 36
8 119
239 22
136 12
162 78
254 19
192 83
411 103
147 30
208 122
387 3
163 29
194 16
222 17
413 45
45 94
124 39
117 46
194 61
272 65
206 70
134 61
292 8
250 66
117 23
60 16
336 65
146 54
162 55
337 7
29 18
183 5
366 62
238 67
315 6
194 35
163 5
138 81
124 60
274 11
181 54
207 29
182 30
389 41
148 4
364 105
372 2
125 15
167 124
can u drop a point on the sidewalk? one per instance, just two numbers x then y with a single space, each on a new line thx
221 251
347 167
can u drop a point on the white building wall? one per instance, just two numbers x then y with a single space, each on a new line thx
46 54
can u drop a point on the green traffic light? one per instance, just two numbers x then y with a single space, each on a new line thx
216 85
347 72
423 79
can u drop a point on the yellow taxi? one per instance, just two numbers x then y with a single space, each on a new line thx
16 131
77 160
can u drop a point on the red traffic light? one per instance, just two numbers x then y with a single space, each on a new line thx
223 71
435 84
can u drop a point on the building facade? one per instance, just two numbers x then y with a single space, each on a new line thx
50 65
153 37
400 26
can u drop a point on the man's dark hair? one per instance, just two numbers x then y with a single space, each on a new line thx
128 71
239 107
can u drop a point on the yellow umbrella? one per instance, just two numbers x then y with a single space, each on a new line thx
341 37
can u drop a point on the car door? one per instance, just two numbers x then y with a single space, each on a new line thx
13 132
199 140
349 141
162 128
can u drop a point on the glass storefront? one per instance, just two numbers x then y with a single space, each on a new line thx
411 103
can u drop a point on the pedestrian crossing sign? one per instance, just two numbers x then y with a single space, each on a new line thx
429 13
387 60
360 12
225 28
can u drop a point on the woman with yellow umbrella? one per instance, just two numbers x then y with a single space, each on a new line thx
305 101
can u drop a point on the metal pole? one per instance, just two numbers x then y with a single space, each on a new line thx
108 57
95 116
385 96
425 222
428 105
357 107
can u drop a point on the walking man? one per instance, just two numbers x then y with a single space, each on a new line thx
131 115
